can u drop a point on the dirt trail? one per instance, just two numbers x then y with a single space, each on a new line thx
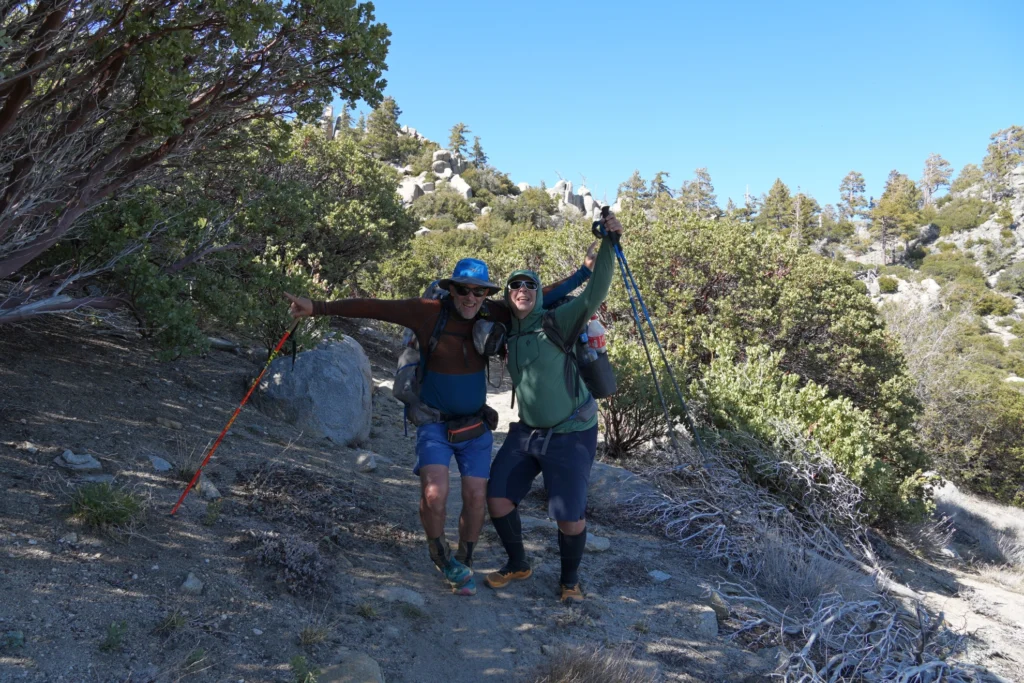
92 608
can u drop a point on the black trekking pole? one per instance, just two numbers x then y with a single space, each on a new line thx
635 297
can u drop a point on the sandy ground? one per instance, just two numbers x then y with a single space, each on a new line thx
92 607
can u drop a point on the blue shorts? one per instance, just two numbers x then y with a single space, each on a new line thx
433 448
565 465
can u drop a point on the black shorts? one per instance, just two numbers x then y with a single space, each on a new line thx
565 465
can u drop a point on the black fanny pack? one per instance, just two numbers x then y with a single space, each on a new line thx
468 427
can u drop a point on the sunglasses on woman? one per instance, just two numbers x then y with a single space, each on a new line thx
462 290
516 284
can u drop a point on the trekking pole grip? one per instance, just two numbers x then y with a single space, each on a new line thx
599 230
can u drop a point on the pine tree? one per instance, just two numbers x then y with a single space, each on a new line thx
360 129
457 138
1005 152
343 125
479 157
698 195
381 139
897 214
807 225
634 190
851 197
777 210
937 173
970 175
658 185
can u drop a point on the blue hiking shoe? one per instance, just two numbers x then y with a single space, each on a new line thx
460 577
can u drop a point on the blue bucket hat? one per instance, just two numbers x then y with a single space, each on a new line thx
472 272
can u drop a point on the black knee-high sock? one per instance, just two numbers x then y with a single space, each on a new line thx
571 549
465 552
510 531
440 552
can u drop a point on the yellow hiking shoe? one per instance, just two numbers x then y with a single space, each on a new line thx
571 594
507 575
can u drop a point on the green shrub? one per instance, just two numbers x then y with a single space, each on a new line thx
1011 280
103 507
446 203
634 415
279 209
488 181
720 280
888 285
755 395
991 303
963 213
1005 218
114 638
533 207
949 265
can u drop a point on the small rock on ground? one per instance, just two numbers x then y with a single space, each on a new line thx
659 576
597 544
355 668
703 621
192 584
159 464
366 462
73 461
206 489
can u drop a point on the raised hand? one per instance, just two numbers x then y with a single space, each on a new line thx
301 307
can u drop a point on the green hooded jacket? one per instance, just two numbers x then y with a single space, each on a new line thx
536 364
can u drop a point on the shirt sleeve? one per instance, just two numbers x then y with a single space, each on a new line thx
564 288
571 317
406 312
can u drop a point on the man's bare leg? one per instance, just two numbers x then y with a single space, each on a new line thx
471 520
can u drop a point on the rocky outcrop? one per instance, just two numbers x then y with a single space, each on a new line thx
409 189
461 186
327 393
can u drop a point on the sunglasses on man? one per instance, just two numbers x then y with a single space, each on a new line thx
516 284
462 290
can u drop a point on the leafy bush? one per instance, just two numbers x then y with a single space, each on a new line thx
634 415
488 182
888 285
755 395
949 265
721 281
445 203
278 209
963 213
971 420
532 207
1011 280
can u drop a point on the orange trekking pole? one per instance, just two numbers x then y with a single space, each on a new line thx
220 438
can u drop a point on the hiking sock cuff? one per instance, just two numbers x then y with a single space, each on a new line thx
510 531
571 550
440 552
465 552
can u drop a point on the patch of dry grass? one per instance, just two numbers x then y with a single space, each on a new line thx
593 665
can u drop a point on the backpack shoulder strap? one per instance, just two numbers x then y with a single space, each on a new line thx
442 321
570 369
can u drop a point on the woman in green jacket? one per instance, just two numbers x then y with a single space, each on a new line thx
557 432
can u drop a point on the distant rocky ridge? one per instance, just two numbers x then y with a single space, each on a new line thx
448 167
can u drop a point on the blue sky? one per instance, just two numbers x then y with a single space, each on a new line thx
751 90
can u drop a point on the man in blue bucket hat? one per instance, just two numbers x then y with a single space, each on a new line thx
453 390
